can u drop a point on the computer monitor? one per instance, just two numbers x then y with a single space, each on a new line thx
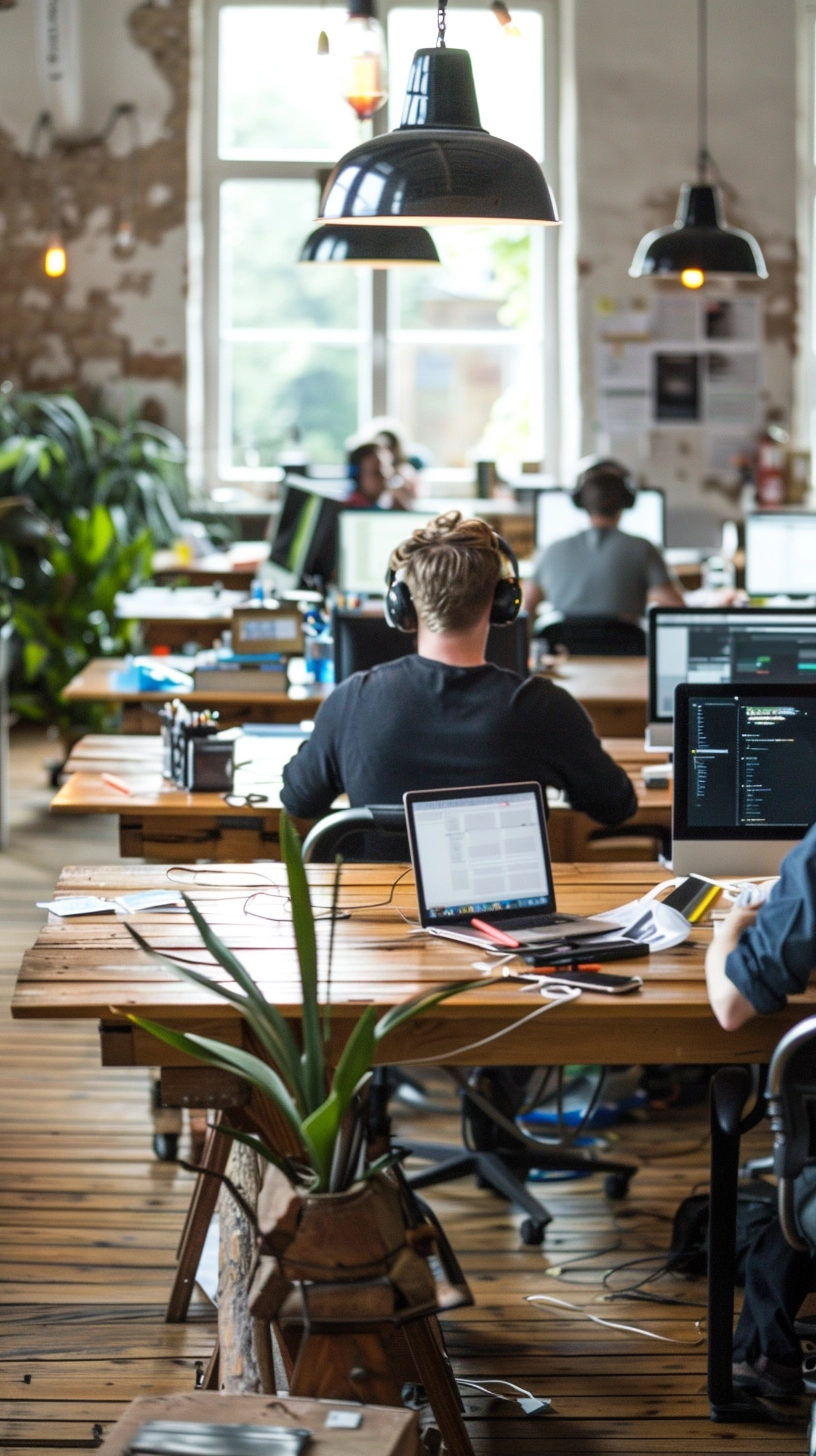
744 776
780 554
717 645
304 544
365 542
364 639
557 516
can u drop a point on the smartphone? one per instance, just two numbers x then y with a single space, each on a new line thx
594 981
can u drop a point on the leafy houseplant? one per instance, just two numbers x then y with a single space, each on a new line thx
64 460
295 1079
62 603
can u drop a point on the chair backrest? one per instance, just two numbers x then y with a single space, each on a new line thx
596 637
791 1095
363 640
382 825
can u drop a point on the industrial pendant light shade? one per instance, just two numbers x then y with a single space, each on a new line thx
370 247
440 165
699 242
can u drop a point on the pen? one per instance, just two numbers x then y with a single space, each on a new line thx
493 934
114 783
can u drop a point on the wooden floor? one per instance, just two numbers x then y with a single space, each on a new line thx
89 1223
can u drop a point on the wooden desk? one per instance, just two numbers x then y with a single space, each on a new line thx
96 683
614 691
171 617
235 568
157 819
83 968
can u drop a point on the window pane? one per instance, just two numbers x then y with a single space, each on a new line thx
508 71
263 227
305 392
484 282
277 97
471 403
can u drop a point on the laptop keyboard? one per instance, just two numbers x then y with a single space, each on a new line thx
532 922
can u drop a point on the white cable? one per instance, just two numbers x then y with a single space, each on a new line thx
613 1324
550 1004
482 1385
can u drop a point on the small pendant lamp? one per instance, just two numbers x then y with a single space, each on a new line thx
440 165
370 247
699 242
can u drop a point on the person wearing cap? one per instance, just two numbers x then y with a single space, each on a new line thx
603 571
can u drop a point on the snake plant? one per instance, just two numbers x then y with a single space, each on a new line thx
294 1077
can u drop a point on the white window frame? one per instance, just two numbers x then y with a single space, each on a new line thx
206 402
804 418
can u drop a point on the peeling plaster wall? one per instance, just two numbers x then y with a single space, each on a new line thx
112 329
637 126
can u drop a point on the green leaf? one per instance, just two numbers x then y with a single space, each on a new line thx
321 1130
260 1147
355 1059
303 922
277 1027
286 1057
424 1001
235 1059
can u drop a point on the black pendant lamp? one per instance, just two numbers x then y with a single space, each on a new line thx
699 242
370 247
440 165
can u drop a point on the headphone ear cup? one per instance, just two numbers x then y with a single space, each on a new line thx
400 611
506 602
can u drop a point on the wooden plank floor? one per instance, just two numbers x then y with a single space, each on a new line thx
89 1223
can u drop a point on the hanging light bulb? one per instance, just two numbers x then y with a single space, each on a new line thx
322 44
364 63
699 241
439 165
124 241
505 20
55 261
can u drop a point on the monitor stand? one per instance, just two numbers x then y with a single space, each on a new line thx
729 858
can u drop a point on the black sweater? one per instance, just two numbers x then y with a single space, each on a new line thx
418 724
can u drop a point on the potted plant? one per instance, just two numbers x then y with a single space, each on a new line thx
338 1239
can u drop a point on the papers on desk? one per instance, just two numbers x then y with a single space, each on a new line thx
650 922
121 904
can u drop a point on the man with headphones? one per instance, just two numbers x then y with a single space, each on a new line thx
602 572
443 717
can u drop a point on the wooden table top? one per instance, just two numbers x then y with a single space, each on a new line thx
89 968
96 683
136 760
178 604
604 679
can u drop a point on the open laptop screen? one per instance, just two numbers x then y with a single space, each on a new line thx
479 850
716 645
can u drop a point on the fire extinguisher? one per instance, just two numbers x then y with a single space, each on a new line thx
770 468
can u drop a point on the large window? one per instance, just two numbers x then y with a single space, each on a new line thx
302 356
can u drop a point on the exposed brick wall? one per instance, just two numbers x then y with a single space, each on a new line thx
50 337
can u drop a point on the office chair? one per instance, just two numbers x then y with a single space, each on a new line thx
595 637
363 640
660 834
507 1154
791 1100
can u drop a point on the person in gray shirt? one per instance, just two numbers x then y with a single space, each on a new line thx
602 572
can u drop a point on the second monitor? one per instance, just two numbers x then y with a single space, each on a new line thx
557 516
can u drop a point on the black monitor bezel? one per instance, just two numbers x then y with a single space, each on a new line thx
680 825
651 636
416 796
646 489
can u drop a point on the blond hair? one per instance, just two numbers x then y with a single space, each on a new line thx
451 567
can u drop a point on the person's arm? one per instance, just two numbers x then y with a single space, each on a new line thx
730 1007
761 958
663 589
666 596
312 779
561 741
531 595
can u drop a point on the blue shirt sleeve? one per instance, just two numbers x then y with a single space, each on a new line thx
774 957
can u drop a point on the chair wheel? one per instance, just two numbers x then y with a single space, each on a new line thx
616 1185
531 1232
165 1146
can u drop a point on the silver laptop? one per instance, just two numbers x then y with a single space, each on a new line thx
481 854
744 776
701 645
